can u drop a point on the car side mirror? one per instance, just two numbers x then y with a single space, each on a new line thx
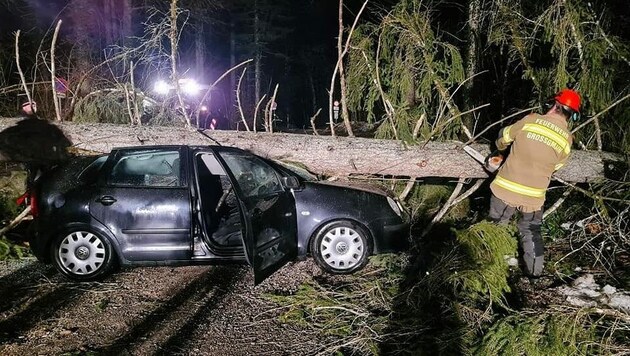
290 182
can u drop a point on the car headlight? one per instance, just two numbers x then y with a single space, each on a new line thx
396 207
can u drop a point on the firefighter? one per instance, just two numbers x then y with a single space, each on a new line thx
539 145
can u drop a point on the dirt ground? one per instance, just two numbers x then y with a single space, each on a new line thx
205 310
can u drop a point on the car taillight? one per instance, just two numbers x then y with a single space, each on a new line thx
28 198
34 208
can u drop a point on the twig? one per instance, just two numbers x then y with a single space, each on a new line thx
469 192
238 99
407 189
445 207
590 194
557 204
257 108
437 127
214 84
343 309
52 71
16 221
496 123
339 59
419 123
270 113
19 68
313 121
389 110
600 113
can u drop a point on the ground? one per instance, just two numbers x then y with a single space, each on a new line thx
201 310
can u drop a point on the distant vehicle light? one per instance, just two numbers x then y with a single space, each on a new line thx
190 86
203 108
162 87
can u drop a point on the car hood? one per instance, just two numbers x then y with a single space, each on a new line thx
366 187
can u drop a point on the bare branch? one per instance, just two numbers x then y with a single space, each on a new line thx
52 71
238 99
19 68
313 121
601 113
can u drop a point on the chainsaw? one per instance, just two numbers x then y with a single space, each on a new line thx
490 163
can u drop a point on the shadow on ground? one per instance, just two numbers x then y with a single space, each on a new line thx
423 319
203 294
34 296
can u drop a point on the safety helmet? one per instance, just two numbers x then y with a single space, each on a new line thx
569 98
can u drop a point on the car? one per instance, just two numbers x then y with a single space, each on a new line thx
188 205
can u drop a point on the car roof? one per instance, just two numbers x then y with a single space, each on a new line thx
157 147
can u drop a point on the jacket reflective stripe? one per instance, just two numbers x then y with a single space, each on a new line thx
559 165
506 135
519 188
550 134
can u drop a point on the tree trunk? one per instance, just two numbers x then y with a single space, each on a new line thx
232 64
342 77
335 156
257 54
200 50
474 19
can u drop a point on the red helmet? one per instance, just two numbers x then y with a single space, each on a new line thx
570 98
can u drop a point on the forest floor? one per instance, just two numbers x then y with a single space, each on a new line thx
211 310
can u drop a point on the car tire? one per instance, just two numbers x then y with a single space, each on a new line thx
341 247
83 255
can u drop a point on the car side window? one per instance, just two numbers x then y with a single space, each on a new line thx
147 168
253 176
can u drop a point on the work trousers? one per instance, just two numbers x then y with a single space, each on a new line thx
529 227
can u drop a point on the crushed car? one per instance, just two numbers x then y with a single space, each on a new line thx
187 205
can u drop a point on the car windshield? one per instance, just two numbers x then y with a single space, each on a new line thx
253 176
292 169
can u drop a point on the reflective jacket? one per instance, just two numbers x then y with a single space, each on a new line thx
540 145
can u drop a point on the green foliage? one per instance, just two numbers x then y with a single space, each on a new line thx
540 333
406 62
485 278
9 250
12 186
352 308
102 107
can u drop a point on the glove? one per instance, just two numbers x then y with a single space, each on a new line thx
493 161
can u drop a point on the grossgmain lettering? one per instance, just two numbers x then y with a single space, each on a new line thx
547 141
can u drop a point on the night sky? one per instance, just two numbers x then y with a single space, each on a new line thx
301 58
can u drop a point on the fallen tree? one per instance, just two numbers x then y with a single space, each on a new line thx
336 156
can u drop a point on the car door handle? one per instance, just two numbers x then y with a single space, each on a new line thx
106 200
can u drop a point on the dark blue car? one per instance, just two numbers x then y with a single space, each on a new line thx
183 205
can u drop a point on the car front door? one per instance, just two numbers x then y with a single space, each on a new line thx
270 236
144 201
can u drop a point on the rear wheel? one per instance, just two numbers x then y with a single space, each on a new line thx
341 247
83 255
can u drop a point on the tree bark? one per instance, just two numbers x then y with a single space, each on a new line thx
333 156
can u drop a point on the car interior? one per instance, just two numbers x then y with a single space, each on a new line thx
148 169
218 211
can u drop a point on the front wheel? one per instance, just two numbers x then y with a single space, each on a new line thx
341 247
83 255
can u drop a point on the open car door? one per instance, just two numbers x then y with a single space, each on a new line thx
269 221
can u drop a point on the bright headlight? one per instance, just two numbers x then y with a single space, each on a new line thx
162 87
395 206
191 87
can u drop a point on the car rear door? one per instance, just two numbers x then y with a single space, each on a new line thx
270 227
144 201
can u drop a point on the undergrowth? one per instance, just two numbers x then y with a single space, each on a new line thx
449 297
